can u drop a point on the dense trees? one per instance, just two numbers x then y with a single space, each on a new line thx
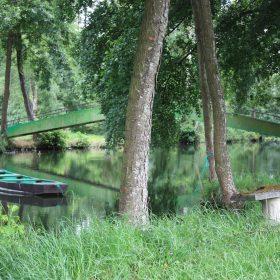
42 41
248 43
60 62
27 102
112 34
111 30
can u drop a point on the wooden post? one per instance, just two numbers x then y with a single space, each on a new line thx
269 196
271 208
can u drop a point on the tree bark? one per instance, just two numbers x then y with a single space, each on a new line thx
6 96
208 123
34 91
27 104
207 111
134 192
5 208
203 20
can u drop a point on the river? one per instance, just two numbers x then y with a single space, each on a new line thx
93 178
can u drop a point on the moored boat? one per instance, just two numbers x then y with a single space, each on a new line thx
17 183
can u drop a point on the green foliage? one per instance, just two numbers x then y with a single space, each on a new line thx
189 137
10 226
247 44
47 41
248 40
3 144
95 128
108 73
54 140
6 144
82 141
236 135
112 34
70 63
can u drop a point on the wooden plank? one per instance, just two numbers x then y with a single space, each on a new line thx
267 195
262 193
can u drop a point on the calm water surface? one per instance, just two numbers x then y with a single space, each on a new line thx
94 179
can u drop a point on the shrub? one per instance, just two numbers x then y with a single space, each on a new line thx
82 142
189 137
9 223
6 145
54 140
3 145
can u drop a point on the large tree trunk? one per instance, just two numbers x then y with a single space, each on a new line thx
27 103
203 20
6 96
207 113
134 192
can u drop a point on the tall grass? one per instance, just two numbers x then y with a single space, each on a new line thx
204 244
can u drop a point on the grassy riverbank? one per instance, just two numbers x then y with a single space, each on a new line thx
204 244
72 140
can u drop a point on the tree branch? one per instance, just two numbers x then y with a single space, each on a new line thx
176 26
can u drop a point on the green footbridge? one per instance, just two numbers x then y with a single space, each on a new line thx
50 122
91 114
263 127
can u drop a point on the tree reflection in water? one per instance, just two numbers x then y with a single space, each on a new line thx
94 178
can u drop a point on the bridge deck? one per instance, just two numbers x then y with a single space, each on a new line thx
262 127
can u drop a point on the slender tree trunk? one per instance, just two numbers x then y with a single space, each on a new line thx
34 103
27 104
85 14
6 96
208 123
134 192
207 111
34 91
5 208
203 20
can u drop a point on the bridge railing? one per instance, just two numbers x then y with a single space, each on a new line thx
259 114
18 119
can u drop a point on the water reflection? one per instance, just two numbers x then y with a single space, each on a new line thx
94 178
40 201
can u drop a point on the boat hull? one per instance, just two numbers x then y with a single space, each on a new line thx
17 183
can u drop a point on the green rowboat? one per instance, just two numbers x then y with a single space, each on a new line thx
17 183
